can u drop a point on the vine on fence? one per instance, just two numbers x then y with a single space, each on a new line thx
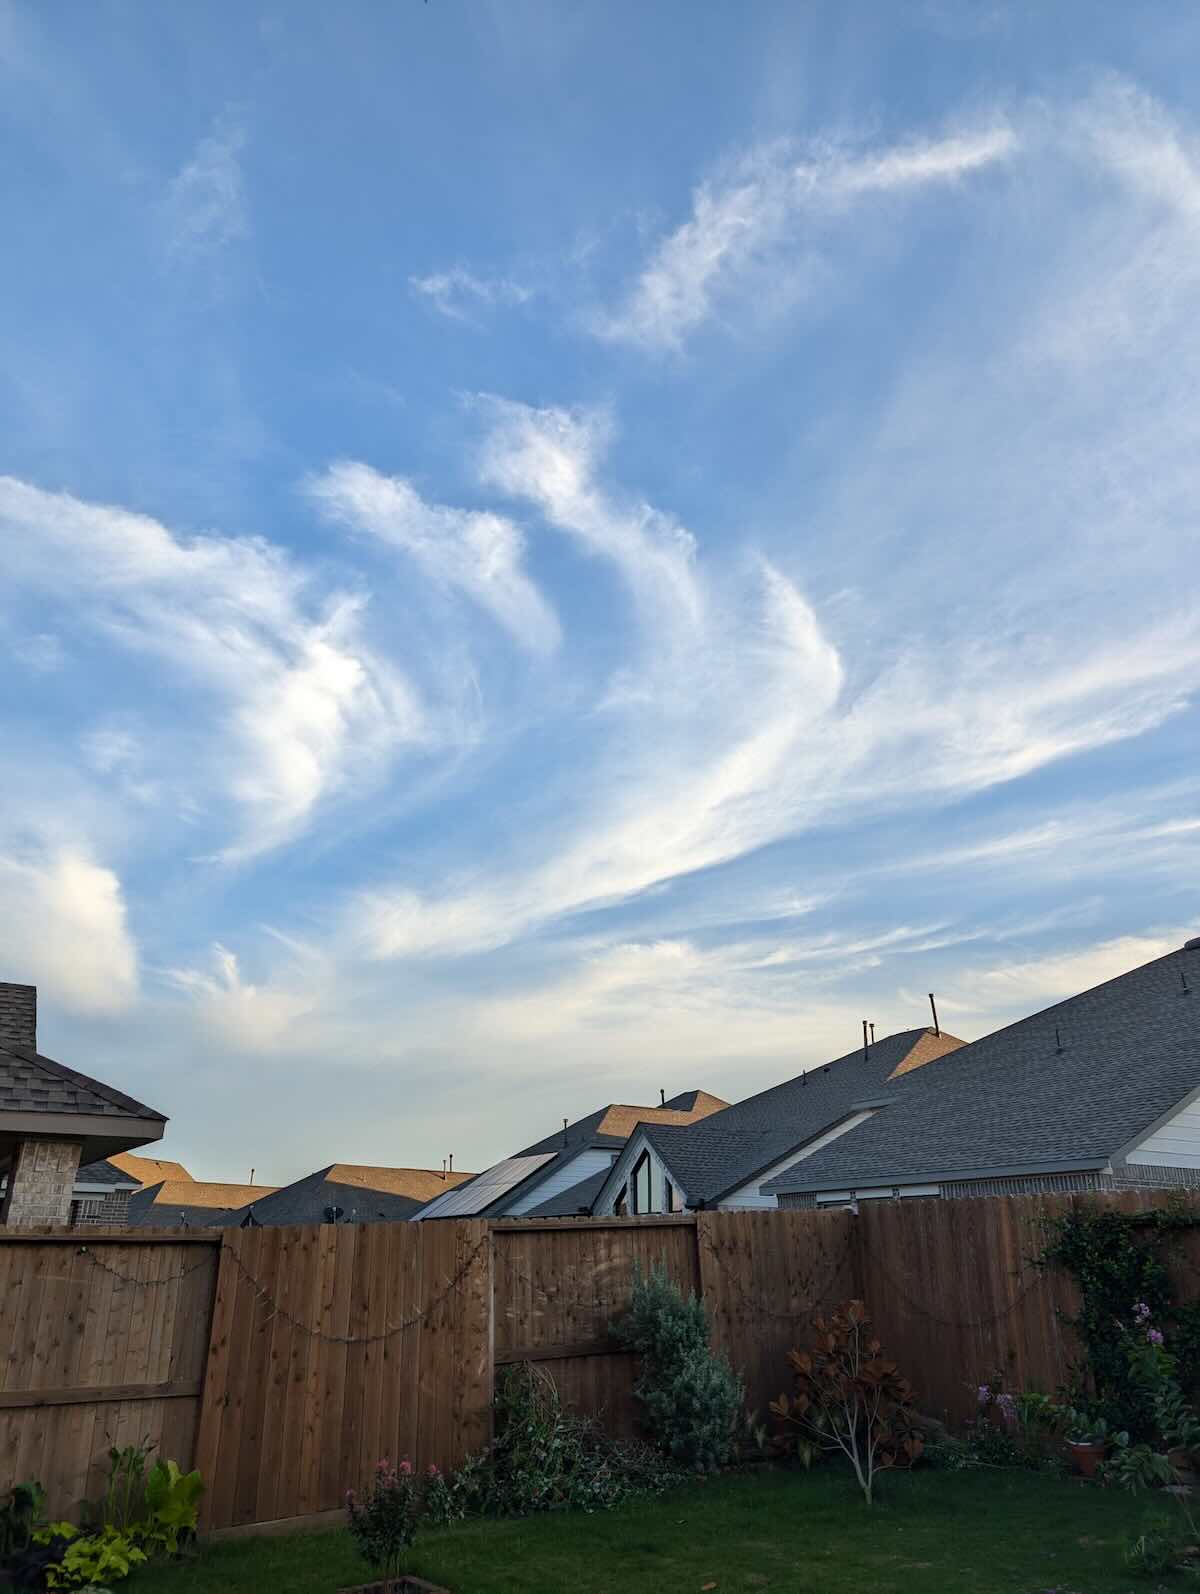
1117 1260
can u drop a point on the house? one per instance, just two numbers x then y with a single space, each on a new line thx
346 1192
191 1203
54 1120
559 1176
725 1160
1099 1092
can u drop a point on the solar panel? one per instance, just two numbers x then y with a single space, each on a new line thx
468 1199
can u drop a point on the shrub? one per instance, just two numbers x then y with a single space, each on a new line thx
690 1397
850 1399
384 1525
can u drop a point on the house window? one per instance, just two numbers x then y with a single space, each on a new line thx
674 1198
621 1209
643 1198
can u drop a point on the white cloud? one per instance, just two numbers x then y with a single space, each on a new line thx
303 708
734 724
458 292
205 207
206 203
63 926
753 207
244 1016
478 552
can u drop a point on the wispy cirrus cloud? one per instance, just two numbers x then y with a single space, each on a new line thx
480 553
205 208
755 206
293 704
460 295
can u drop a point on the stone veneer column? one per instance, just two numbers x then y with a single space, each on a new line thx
40 1181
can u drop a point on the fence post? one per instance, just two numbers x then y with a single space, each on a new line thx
216 1376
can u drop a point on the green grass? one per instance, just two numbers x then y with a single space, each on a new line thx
929 1533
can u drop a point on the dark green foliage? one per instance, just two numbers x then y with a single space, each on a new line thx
544 1459
1116 1259
21 1510
690 1396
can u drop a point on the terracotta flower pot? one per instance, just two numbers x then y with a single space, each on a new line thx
1086 1457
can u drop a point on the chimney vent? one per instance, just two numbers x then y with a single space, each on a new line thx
18 1016
662 1096
937 1028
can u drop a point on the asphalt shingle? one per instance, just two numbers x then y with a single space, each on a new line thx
714 1156
1074 1084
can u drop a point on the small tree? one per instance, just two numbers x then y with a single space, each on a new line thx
850 1399
690 1396
384 1525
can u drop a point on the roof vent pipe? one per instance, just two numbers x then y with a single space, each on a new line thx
565 1122
662 1096
866 1042
937 1028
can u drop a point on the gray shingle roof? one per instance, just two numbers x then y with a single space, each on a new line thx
306 1201
1130 1053
32 1083
714 1156
105 1173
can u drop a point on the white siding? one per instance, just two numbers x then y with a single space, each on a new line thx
1176 1144
629 1156
752 1195
583 1166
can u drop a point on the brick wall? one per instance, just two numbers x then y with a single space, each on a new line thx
1131 1177
111 1210
40 1179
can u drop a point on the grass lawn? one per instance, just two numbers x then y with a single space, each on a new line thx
929 1533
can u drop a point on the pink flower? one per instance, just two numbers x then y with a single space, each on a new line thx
382 1466
434 1470
405 1467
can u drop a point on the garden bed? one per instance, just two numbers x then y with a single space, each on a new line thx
988 1531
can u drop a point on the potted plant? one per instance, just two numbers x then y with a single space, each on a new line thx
1089 1439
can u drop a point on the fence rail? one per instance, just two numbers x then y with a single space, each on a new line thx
285 1362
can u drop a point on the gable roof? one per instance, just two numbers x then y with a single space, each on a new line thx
364 1194
106 1172
1014 1101
607 1128
32 1083
148 1170
713 1157
158 1205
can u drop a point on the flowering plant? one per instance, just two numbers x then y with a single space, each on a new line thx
384 1524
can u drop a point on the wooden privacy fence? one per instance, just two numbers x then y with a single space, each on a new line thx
285 1362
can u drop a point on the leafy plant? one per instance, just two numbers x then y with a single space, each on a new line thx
544 1459
171 1509
107 1555
1176 1417
851 1399
1165 1546
123 1502
1137 1467
20 1513
690 1396
384 1525
1085 1428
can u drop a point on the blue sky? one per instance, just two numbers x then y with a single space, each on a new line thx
552 552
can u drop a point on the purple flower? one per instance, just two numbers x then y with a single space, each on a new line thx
1154 1336
985 1395
1141 1311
